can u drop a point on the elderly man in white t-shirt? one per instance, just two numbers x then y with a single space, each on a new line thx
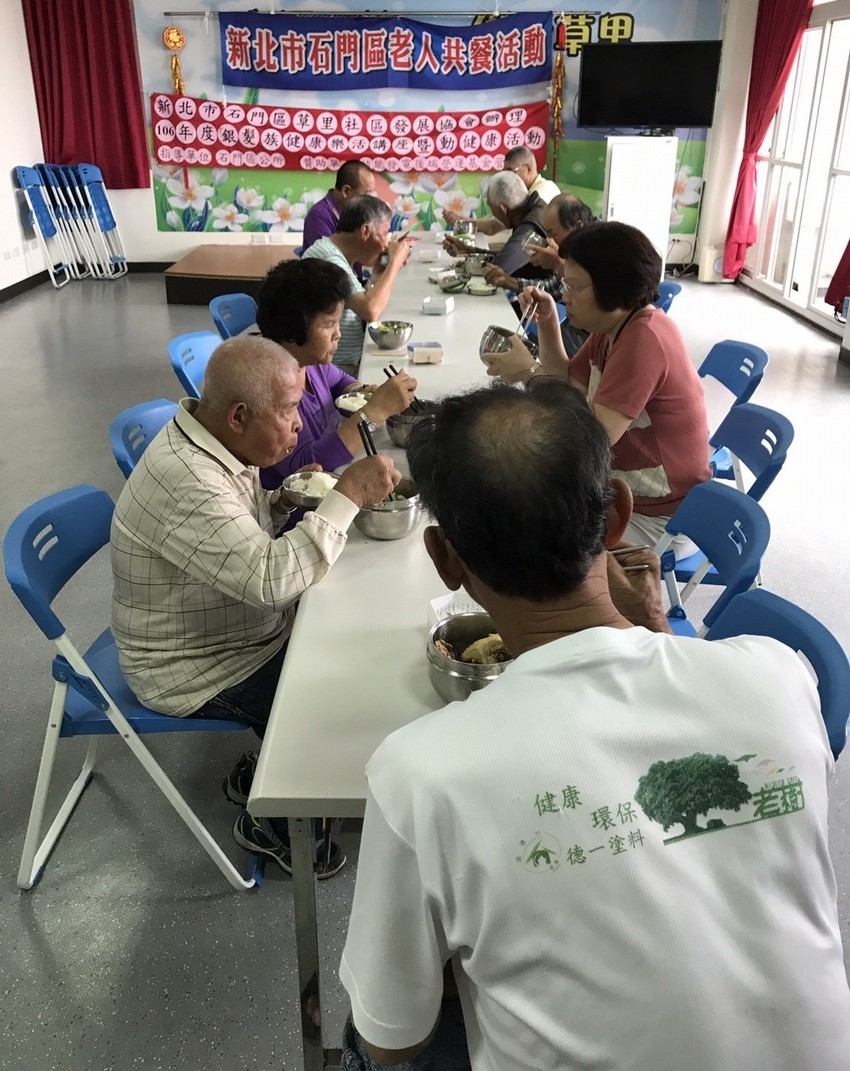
362 237
619 847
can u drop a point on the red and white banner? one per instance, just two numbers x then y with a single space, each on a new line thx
206 133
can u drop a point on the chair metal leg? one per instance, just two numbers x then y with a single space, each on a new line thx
197 827
306 941
35 854
158 775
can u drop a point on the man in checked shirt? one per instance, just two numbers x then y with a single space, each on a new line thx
204 587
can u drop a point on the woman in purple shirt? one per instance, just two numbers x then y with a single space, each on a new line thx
299 306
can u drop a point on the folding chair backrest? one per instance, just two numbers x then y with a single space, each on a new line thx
190 355
47 543
732 531
759 438
761 613
233 313
131 431
730 373
666 293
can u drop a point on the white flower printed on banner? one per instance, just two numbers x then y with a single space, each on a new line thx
228 218
249 199
405 206
283 216
218 176
687 188
191 195
676 216
310 197
458 202
172 219
437 181
408 182
164 172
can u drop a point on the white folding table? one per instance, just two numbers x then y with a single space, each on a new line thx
356 669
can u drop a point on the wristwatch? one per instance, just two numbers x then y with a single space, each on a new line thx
364 419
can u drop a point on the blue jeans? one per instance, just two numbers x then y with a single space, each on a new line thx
250 701
446 1052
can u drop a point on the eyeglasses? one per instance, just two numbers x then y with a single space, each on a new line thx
575 288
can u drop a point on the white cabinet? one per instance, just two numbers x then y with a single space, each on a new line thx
639 177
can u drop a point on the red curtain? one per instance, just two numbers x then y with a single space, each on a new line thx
87 86
779 31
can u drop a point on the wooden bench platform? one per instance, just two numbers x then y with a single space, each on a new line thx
211 270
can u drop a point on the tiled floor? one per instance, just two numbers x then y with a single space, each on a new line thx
133 952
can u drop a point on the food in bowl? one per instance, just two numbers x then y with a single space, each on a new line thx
488 651
452 280
390 334
456 638
481 289
474 262
395 517
398 426
307 489
352 402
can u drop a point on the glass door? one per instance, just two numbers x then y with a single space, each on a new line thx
803 211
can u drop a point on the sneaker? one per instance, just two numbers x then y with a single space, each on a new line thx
257 835
237 784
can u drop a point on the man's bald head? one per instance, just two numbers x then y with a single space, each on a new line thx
246 370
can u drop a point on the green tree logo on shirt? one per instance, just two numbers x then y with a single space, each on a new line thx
679 790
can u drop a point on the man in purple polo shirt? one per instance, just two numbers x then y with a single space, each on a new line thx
354 179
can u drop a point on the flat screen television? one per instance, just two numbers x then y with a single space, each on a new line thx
656 84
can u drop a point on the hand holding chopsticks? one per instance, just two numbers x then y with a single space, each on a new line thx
366 439
525 320
415 404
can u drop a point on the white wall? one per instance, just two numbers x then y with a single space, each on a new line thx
20 145
134 209
726 137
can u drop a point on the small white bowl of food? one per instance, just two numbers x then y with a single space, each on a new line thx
352 402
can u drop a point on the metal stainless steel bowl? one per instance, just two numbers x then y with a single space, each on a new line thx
474 262
305 501
391 520
496 340
452 679
390 334
452 280
399 426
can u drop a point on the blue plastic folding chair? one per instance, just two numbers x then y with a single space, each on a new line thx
44 548
755 438
732 532
131 431
666 293
189 355
233 313
761 613
730 373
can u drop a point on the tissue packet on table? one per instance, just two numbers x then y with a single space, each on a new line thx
438 304
425 352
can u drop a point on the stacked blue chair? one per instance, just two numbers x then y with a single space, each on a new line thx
233 313
131 431
666 293
44 548
762 613
731 530
759 438
189 355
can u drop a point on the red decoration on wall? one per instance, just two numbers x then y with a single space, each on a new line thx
206 133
